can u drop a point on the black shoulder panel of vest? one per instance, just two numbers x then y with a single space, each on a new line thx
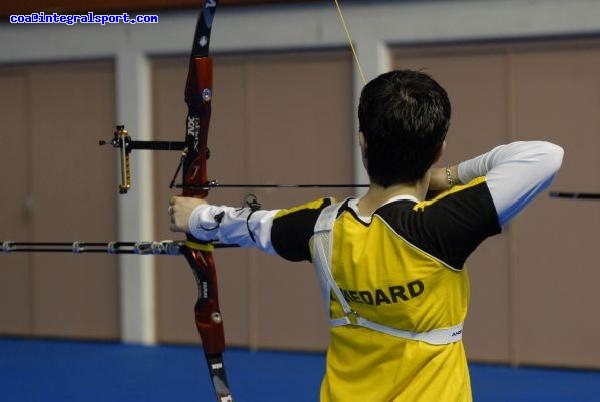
450 228
292 231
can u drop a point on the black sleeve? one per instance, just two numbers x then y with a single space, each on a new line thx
292 230
451 227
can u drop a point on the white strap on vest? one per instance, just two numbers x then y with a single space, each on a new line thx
322 245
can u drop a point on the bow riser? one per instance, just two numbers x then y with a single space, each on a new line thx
198 96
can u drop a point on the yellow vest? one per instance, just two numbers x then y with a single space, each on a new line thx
416 293
403 270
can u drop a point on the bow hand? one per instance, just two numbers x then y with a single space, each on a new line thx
180 209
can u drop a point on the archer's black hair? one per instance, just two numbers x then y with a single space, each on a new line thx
404 116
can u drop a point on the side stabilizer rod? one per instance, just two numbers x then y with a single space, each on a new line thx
165 247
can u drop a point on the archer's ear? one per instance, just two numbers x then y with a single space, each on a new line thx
363 144
440 153
363 148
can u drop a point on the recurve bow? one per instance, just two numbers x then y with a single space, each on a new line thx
198 96
195 152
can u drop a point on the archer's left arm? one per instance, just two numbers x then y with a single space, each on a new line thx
228 225
283 232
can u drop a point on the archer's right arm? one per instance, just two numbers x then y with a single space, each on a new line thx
495 187
515 173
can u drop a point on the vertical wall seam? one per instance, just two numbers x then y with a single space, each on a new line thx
511 111
29 222
250 132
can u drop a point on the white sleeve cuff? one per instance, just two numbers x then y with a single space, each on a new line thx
229 225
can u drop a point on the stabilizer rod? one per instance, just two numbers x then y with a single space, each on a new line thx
165 247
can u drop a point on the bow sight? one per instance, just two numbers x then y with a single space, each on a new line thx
125 144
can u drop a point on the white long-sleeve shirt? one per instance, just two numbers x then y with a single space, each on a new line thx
515 173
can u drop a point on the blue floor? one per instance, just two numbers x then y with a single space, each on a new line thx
34 370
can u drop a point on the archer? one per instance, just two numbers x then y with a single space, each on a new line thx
388 344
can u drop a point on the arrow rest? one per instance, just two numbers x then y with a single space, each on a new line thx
180 165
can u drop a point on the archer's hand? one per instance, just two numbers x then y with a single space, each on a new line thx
438 180
180 210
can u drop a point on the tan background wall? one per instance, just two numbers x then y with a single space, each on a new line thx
533 287
534 295
283 118
57 185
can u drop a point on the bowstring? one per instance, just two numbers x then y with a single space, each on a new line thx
354 54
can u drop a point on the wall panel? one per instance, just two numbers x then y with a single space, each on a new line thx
74 185
176 288
15 270
66 193
533 293
557 95
276 119
301 125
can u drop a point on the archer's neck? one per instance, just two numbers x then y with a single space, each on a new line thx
377 195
